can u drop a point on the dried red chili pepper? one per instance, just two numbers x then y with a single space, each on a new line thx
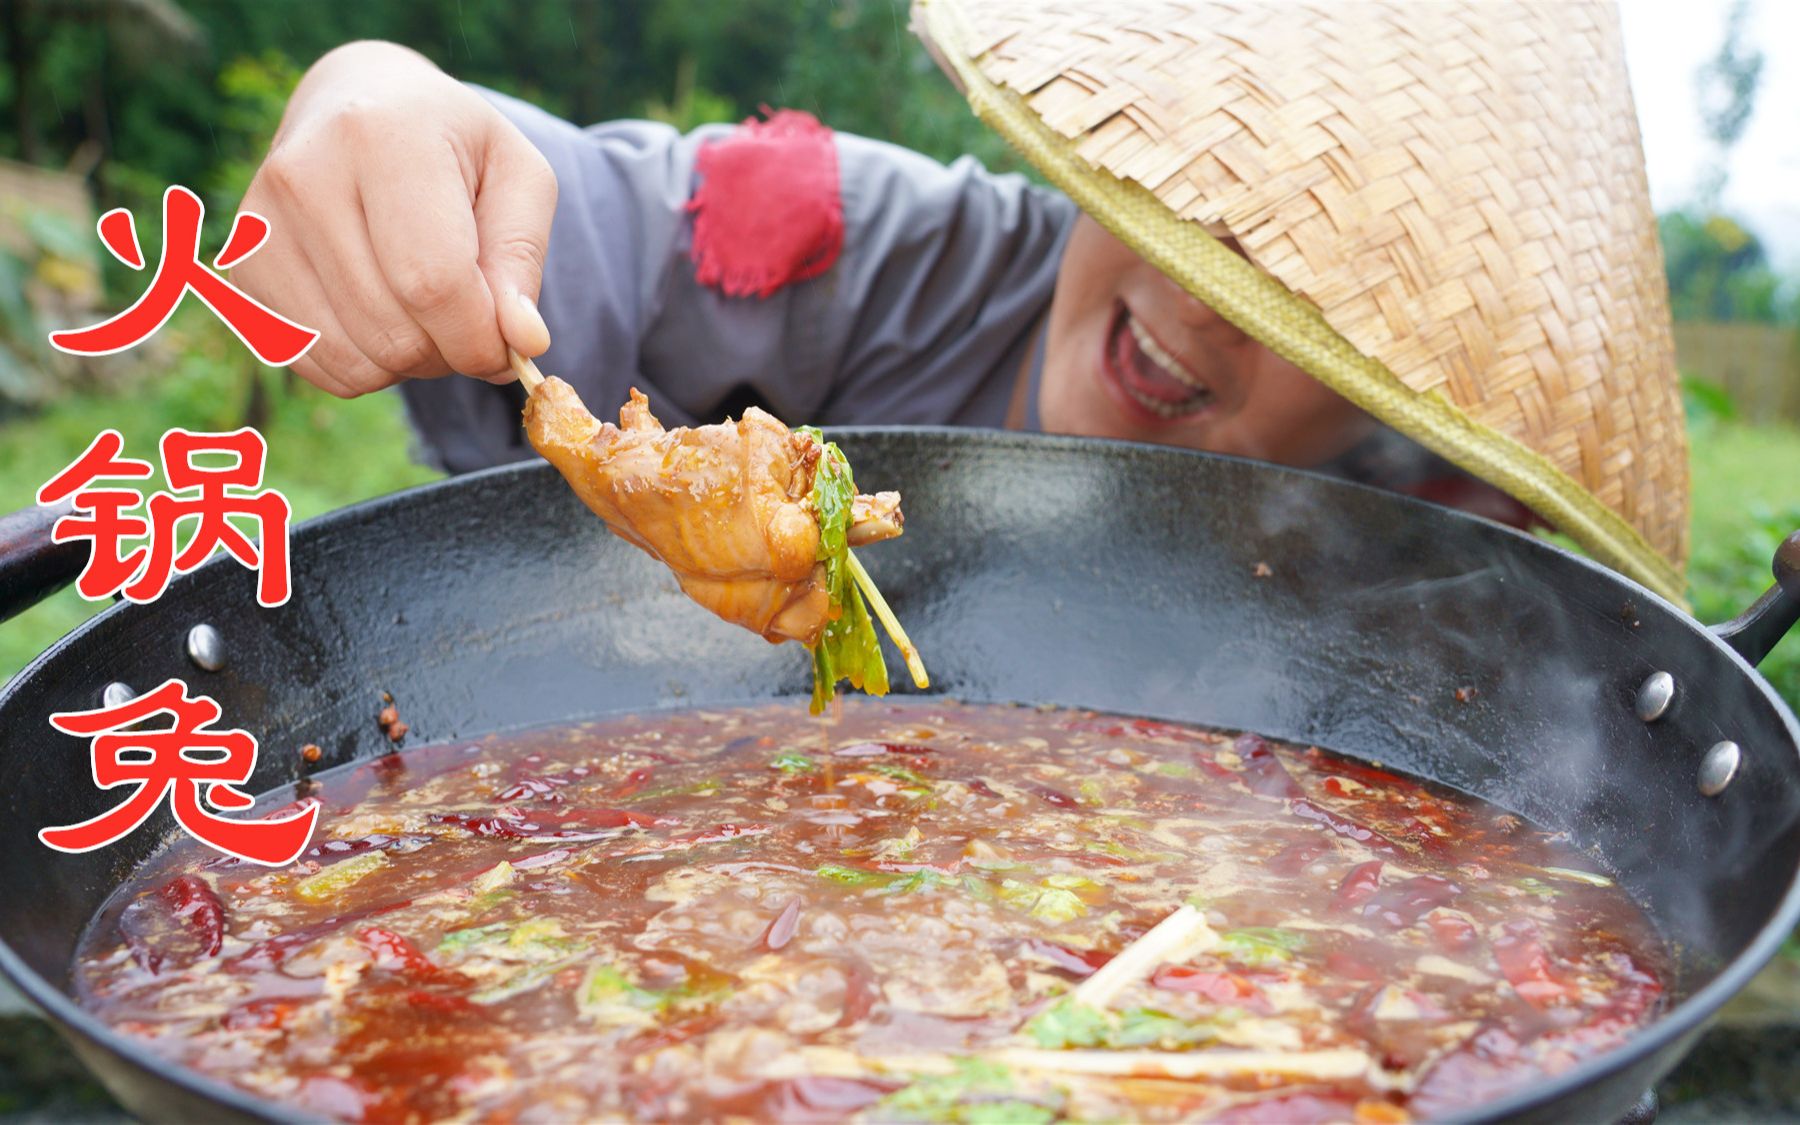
396 953
1452 931
194 901
1263 771
1077 962
1399 905
1345 827
1219 987
1527 966
634 783
782 929
1358 885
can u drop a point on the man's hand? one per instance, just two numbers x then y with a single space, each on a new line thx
410 221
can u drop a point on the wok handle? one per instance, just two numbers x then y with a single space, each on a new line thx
32 567
1760 628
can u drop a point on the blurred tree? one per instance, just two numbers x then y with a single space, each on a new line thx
143 78
1718 270
856 66
691 106
112 34
1726 90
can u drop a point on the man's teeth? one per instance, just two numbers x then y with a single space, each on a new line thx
1160 356
1163 409
1170 366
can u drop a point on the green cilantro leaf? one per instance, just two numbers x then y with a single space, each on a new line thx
848 649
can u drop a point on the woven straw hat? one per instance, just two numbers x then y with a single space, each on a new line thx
1443 207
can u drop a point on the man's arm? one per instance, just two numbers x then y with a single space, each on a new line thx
411 213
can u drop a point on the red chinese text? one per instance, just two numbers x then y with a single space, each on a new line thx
187 763
276 340
202 496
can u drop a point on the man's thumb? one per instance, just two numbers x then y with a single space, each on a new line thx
517 200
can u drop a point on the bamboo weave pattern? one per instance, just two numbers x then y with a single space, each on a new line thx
1458 188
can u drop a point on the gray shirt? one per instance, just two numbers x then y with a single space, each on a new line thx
925 317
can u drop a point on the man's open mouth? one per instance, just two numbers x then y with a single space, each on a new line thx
1149 374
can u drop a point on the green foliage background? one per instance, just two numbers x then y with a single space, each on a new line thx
195 110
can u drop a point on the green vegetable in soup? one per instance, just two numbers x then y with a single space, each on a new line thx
606 986
1050 903
922 880
461 941
899 773
1067 1024
1537 888
1260 945
337 878
978 1092
852 876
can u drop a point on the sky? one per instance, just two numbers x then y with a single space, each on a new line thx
1666 41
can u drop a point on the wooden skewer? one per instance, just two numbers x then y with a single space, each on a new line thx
529 376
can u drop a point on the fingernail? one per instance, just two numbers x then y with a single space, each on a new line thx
537 321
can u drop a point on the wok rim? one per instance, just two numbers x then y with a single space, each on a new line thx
1678 1021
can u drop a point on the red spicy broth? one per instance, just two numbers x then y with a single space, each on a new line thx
906 917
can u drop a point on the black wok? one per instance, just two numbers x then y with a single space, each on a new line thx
1103 575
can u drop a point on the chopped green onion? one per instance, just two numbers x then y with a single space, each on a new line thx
914 664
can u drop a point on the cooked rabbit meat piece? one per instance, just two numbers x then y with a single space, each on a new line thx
723 506
874 518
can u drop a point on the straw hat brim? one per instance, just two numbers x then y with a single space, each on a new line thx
1259 304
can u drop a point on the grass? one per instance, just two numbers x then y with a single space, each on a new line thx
1746 485
323 453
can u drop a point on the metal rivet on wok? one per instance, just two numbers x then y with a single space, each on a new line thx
1654 697
116 694
206 648
1718 767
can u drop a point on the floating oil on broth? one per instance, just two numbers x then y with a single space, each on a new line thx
711 913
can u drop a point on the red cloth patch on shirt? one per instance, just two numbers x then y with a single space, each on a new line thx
767 212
